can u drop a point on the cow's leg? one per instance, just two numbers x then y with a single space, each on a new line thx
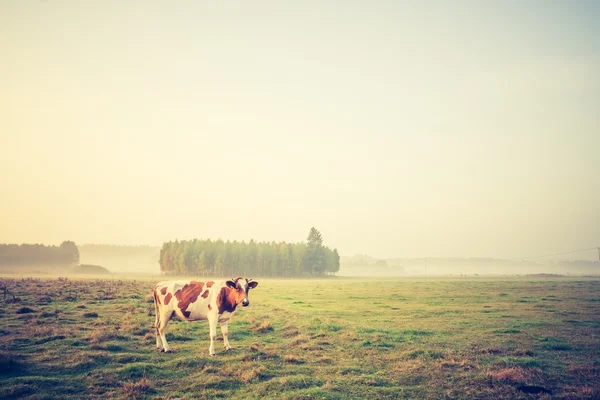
162 329
212 322
225 332
157 323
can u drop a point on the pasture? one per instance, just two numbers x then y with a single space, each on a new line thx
303 339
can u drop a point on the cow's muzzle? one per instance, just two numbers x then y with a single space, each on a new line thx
245 302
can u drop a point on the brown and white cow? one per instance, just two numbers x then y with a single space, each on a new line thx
194 301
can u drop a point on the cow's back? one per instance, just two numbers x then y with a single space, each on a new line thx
189 300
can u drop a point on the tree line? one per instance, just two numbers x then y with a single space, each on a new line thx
219 258
38 254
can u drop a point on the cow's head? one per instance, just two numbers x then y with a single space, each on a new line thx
242 286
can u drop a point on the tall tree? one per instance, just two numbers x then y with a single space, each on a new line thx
315 257
336 261
314 239
70 252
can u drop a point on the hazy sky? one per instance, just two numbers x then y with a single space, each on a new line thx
398 129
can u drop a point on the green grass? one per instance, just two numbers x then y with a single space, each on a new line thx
329 338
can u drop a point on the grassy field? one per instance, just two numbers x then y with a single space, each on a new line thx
334 338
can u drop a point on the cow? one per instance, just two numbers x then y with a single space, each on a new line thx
194 301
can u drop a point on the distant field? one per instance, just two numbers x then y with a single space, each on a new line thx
330 338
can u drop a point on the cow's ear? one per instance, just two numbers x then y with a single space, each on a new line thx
252 285
231 284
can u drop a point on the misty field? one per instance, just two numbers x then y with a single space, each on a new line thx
328 338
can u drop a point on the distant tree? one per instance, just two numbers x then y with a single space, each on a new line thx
165 260
220 264
315 261
37 254
300 250
70 252
284 265
334 266
314 239
201 263
219 258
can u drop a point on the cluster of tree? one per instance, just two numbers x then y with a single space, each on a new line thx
219 258
38 254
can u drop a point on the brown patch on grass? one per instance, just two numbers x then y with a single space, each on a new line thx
101 334
290 358
264 326
580 392
460 364
44 300
524 353
513 375
583 369
351 336
255 346
329 385
49 332
300 339
136 390
252 374
133 329
90 315
493 350
407 366
148 337
311 347
290 331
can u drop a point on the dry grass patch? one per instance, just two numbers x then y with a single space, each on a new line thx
513 375
90 315
290 358
49 332
255 346
461 364
136 390
407 366
581 392
136 329
102 334
290 331
149 298
264 326
252 374
298 340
